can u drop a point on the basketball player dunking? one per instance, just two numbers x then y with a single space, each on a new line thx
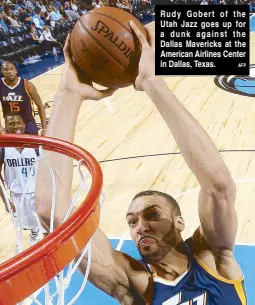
17 164
199 271
17 95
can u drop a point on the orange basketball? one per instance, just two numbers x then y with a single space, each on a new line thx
104 46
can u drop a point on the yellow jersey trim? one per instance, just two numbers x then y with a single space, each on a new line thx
241 293
215 275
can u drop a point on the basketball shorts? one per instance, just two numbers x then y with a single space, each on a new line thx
30 217
31 127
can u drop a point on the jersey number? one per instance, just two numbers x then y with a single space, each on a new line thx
25 171
14 106
175 300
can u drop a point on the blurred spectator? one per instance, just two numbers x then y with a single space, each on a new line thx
46 35
29 4
71 15
55 15
56 3
13 19
95 5
42 7
24 16
14 10
67 6
22 4
124 4
34 35
106 3
204 2
37 20
62 12
74 5
3 25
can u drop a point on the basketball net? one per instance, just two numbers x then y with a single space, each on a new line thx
62 281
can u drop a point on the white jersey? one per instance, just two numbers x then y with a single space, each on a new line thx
17 167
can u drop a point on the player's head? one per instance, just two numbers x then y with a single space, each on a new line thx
9 70
14 123
155 223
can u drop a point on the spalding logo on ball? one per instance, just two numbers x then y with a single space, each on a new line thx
102 29
104 47
242 85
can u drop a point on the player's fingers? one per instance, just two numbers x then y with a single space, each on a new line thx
100 94
138 33
83 77
66 49
107 92
150 38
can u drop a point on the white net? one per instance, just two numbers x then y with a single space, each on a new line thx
54 291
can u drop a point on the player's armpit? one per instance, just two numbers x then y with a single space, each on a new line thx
111 272
219 262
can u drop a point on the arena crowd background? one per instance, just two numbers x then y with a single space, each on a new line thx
33 29
30 29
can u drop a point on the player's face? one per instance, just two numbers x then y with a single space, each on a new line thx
9 71
14 124
152 227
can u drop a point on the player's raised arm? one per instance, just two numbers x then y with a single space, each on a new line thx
216 200
107 270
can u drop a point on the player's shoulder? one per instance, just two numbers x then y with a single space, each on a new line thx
29 87
129 263
25 81
137 274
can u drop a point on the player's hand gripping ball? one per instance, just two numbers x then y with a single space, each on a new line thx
104 46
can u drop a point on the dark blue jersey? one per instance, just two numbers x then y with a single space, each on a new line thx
16 99
197 286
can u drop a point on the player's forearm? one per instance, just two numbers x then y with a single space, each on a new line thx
62 126
42 115
64 116
194 143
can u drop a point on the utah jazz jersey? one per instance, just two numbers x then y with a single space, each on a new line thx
198 286
16 99
17 166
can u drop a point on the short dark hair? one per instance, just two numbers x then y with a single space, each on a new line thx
173 203
14 63
12 114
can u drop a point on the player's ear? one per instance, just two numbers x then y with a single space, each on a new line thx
179 223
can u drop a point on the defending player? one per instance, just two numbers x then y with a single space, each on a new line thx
17 95
199 271
17 164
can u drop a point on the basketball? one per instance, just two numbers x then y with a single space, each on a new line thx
103 46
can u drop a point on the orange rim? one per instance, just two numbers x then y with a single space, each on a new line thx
33 268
